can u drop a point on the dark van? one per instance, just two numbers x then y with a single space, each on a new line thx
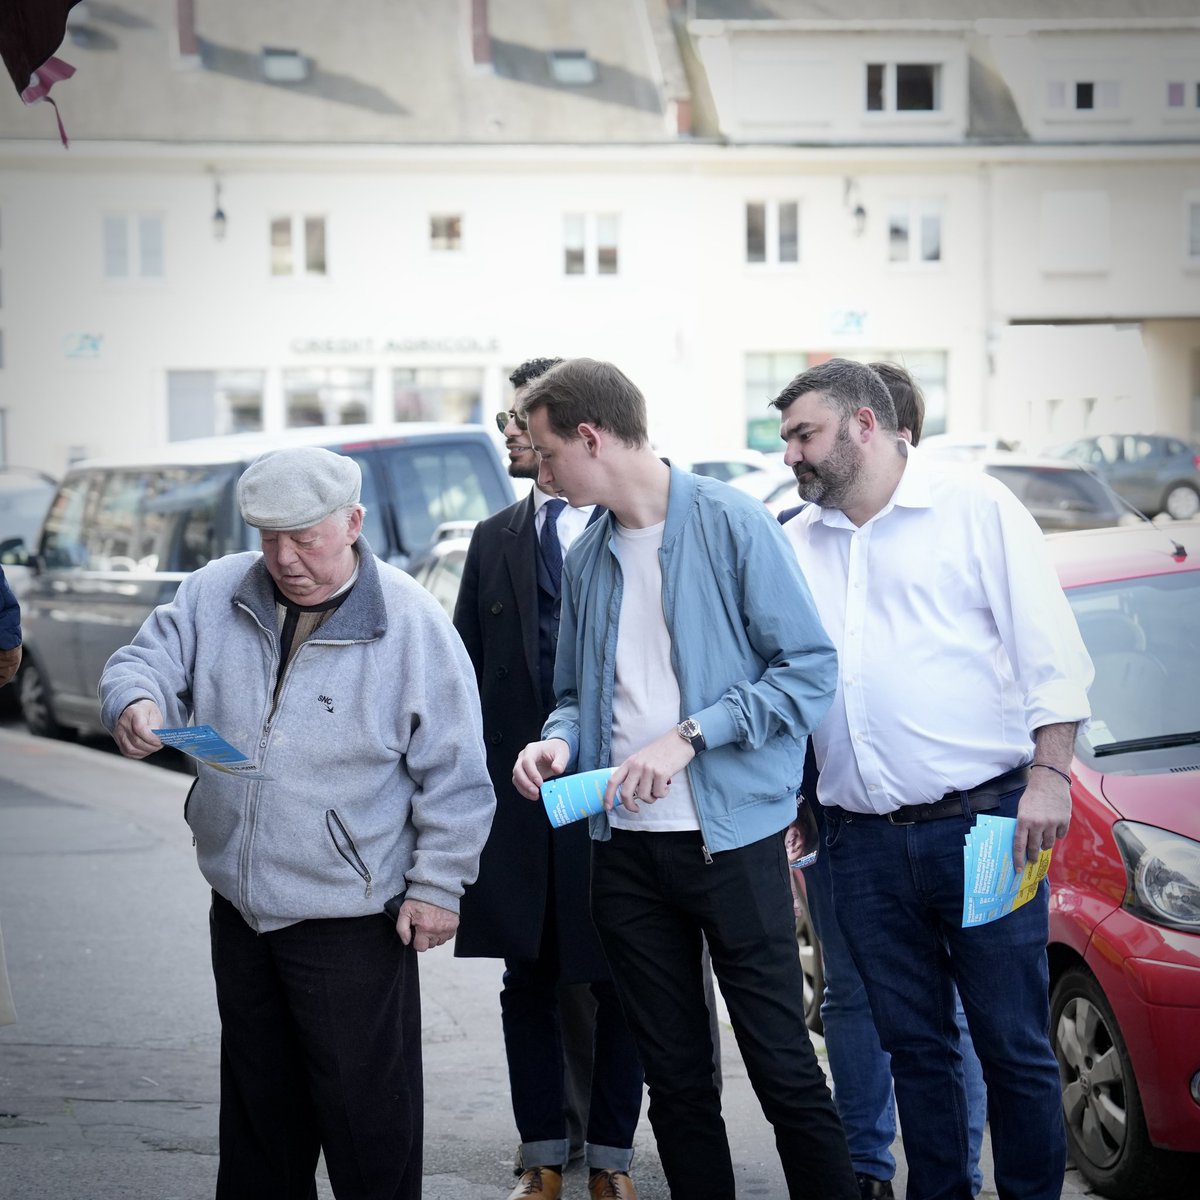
121 534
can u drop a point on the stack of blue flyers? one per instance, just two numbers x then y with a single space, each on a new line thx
573 797
991 886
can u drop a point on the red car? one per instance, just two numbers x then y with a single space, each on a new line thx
1125 901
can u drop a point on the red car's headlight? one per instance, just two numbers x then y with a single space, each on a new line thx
1163 870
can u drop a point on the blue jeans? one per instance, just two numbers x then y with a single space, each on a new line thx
654 897
861 1070
899 894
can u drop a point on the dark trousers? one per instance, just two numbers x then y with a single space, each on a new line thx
653 896
530 1005
320 1050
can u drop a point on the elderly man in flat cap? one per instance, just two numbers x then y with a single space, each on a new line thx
347 684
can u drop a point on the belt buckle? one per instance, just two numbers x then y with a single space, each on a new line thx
895 818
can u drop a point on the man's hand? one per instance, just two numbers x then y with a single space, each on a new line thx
10 660
425 925
538 762
1043 816
647 774
133 732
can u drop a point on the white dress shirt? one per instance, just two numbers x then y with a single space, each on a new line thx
955 641
571 521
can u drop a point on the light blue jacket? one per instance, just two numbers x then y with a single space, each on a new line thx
753 662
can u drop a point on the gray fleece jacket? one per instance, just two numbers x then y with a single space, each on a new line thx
375 748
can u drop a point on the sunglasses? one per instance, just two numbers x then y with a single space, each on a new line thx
503 418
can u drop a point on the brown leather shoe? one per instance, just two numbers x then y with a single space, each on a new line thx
538 1181
611 1185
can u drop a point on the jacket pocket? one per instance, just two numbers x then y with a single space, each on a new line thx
343 843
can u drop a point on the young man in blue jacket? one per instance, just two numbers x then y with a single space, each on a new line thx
691 660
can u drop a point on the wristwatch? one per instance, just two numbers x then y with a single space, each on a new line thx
689 730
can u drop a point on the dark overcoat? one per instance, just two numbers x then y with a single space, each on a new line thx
502 913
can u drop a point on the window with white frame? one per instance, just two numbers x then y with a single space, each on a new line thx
327 396
914 231
298 245
445 231
1068 95
133 246
452 394
765 375
772 231
203 403
902 87
590 243
1183 94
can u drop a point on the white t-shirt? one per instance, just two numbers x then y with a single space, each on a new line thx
645 691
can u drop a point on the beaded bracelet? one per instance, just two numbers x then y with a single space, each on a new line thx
1055 770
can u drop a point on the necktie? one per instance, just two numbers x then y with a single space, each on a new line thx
551 548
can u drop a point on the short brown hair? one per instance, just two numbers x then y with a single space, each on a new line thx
587 391
906 396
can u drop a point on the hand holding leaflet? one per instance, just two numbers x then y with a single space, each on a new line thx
206 745
991 888
572 797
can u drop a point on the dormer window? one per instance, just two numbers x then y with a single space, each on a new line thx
904 87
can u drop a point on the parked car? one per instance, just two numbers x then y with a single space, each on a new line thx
24 498
730 464
1124 944
1156 474
439 571
1125 900
1060 495
967 445
121 534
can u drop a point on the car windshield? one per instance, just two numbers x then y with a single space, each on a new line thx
1144 639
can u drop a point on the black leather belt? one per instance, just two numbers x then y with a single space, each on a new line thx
982 798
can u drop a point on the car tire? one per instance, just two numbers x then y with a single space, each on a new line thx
1181 501
809 949
1102 1108
36 705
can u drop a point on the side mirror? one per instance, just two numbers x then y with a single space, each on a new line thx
13 552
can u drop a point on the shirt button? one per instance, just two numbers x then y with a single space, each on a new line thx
871 788
497 609
496 738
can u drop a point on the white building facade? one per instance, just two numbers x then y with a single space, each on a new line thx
1013 210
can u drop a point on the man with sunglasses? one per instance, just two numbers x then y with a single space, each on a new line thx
529 905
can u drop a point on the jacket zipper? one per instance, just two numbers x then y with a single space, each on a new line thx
350 852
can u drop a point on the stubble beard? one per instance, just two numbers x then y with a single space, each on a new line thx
831 483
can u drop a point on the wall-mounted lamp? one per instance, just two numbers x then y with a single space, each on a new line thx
853 204
218 217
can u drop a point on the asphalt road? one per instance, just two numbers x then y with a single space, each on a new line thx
108 1081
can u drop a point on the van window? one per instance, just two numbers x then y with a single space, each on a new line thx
435 482
374 527
62 533
169 519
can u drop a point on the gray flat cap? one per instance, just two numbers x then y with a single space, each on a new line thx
297 488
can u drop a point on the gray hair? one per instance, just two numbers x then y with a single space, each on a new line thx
847 386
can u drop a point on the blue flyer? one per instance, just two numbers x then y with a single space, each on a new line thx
573 797
991 886
206 745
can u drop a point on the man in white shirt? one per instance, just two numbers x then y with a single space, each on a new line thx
962 679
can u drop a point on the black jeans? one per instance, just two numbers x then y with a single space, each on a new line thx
320 1049
653 895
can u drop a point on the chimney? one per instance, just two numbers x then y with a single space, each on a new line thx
188 47
481 37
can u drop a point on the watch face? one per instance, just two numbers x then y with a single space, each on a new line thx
689 728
